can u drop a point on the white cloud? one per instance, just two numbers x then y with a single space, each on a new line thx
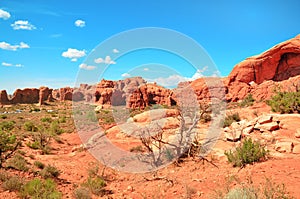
107 60
4 14
11 65
74 54
115 50
126 75
87 67
79 23
173 80
7 46
22 25
6 64
146 69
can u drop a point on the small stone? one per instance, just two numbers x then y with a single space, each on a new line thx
264 119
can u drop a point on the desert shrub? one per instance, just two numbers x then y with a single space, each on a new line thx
33 145
95 185
247 101
206 117
13 184
17 162
8 145
4 175
46 119
49 172
248 153
271 190
3 116
229 119
62 119
91 116
82 193
39 164
7 126
34 109
55 128
247 190
137 149
285 102
29 126
38 189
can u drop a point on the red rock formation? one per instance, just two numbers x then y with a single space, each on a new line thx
45 94
3 97
65 94
278 63
150 94
25 96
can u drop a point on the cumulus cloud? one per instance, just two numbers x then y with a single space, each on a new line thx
7 46
74 54
22 25
115 50
107 60
11 65
4 14
79 23
173 80
125 75
87 67
6 64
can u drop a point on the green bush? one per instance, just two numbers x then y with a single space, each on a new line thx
46 119
82 193
29 126
95 185
55 128
62 119
49 172
7 126
38 189
8 145
285 102
247 101
248 153
39 164
13 184
3 116
17 162
91 116
229 119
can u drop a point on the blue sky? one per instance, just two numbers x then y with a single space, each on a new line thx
48 43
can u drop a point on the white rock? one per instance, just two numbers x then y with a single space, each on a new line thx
284 147
264 119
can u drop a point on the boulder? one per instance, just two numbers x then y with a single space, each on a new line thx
284 147
267 126
233 136
264 119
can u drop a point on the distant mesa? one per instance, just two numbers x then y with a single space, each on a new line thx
258 75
